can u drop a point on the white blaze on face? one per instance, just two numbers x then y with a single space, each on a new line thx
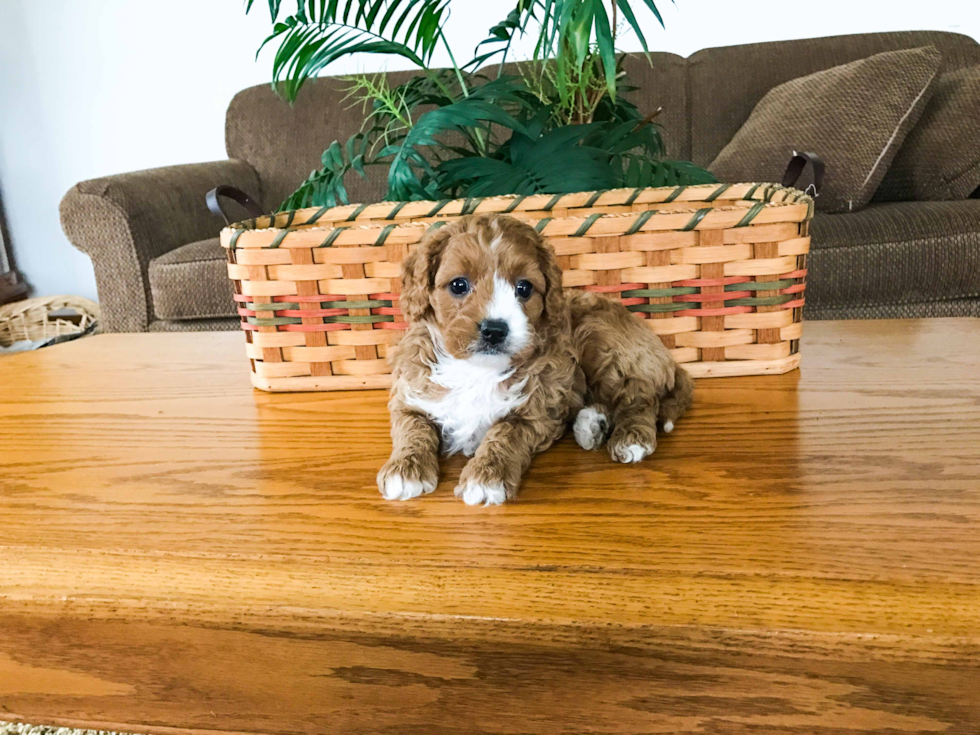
507 307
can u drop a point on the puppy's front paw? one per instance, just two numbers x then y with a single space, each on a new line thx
630 453
475 493
631 445
590 428
404 478
481 483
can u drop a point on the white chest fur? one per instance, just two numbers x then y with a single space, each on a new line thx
470 399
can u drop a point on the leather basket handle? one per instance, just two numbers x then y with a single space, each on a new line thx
214 196
797 164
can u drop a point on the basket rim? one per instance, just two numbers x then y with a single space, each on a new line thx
374 225
791 196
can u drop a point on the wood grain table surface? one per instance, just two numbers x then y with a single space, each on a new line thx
802 555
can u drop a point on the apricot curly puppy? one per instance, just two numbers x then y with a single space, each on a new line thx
498 360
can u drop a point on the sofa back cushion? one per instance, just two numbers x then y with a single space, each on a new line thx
727 83
662 83
940 158
284 142
856 115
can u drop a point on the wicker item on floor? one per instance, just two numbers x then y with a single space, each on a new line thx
717 271
31 319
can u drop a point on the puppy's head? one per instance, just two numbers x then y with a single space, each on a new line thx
491 286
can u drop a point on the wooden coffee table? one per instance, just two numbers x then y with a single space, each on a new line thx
802 555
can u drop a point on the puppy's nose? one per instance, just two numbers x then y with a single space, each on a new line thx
493 331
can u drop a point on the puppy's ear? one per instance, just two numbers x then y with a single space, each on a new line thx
555 304
419 272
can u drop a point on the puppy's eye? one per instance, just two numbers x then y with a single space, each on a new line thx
459 287
524 289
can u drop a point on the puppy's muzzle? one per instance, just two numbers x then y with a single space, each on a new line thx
493 332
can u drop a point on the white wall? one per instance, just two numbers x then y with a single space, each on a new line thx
96 87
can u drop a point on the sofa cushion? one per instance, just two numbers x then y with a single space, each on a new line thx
921 310
893 254
192 282
727 83
940 158
854 116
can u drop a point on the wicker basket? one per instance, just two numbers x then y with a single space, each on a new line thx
32 319
717 271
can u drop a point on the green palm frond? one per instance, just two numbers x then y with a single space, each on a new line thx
602 155
639 170
568 29
411 175
618 137
550 163
502 35
325 186
322 31
274 6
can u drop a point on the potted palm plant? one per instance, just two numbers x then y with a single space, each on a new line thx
556 123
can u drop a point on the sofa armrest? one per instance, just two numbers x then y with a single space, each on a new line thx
123 222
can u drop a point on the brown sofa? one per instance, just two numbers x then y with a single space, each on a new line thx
158 264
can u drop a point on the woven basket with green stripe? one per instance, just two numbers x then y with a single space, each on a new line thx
717 271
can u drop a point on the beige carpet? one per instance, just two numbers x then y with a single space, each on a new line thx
11 728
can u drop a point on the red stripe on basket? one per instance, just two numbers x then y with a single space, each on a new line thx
313 327
715 312
796 288
794 274
245 312
616 287
242 297
697 297
249 327
385 296
793 304
698 282
387 310
393 325
633 301
312 312
640 315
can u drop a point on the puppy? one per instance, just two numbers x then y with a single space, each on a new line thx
498 360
